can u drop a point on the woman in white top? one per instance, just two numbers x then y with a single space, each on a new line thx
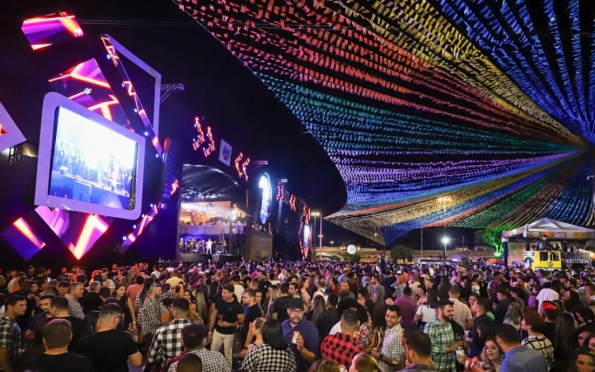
426 312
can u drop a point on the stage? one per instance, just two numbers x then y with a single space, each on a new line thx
204 258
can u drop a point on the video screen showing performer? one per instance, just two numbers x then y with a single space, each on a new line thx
91 163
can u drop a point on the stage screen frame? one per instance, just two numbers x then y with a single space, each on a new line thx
51 104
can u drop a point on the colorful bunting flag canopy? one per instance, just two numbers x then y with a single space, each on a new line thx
476 114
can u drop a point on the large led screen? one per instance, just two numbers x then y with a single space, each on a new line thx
88 163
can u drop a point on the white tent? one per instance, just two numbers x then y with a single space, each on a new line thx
552 229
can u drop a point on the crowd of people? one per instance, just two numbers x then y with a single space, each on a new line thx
298 317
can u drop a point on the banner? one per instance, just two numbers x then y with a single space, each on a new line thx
225 153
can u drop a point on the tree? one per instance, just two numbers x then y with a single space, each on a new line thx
491 237
400 252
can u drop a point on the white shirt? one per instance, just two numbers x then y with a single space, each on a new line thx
336 329
427 313
238 290
547 294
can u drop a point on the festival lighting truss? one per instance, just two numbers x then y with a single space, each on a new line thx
437 113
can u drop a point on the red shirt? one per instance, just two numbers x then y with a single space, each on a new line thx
340 349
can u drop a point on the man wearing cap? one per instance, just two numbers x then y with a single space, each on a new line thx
307 343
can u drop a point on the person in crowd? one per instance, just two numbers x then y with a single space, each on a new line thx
274 354
317 307
56 357
126 304
256 329
391 354
426 311
364 362
442 335
513 315
301 335
166 341
328 318
189 363
91 301
323 365
517 357
534 324
10 333
133 291
108 349
75 292
408 308
251 313
193 341
418 352
223 321
462 313
149 317
59 309
378 292
342 347
44 305
583 360
279 306
480 310
501 308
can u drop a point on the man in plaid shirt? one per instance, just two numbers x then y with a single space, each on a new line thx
10 333
443 338
193 337
75 292
342 347
149 315
166 342
389 359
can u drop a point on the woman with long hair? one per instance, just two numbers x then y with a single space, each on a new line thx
202 309
364 334
363 362
421 297
125 303
491 356
142 295
563 350
317 307
273 355
571 299
583 314
256 327
274 297
193 310
323 365
513 315
426 312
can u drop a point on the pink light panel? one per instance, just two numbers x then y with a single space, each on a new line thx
41 32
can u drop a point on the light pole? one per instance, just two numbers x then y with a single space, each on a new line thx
445 240
316 214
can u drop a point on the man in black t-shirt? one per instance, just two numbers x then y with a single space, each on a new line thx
279 307
59 309
109 349
251 313
56 357
228 313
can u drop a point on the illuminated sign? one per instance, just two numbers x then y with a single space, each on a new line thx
267 197
204 141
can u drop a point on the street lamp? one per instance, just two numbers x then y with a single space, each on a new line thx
445 240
